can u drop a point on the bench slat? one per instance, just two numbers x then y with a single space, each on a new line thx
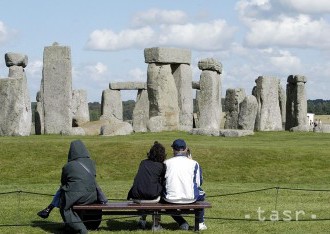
130 205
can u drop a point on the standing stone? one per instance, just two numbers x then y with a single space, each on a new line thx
248 113
80 110
15 108
282 102
233 99
163 98
57 89
269 114
141 111
183 79
111 104
296 105
39 116
209 98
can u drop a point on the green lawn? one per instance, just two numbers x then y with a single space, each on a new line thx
230 166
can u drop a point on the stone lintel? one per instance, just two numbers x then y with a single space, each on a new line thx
128 86
167 55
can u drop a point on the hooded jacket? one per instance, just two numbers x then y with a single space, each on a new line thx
78 184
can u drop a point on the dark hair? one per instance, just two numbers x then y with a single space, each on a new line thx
157 152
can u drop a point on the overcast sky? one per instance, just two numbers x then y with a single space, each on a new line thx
250 38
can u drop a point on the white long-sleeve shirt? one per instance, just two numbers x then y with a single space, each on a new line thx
183 177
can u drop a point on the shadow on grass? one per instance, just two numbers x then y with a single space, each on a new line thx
51 227
131 225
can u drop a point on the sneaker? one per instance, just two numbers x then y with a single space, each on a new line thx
142 224
156 228
184 226
44 213
202 226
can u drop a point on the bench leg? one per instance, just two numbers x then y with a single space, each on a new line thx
156 218
197 220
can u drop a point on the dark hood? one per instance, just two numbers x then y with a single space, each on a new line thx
77 150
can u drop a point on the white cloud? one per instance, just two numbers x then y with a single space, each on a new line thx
34 69
3 32
286 62
136 74
129 38
157 16
308 6
215 35
300 31
252 8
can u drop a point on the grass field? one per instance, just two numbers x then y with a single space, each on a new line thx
293 166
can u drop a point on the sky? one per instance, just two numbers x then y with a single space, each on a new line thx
250 38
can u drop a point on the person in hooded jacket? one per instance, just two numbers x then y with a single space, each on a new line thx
78 186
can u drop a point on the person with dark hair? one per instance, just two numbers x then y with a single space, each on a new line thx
183 179
148 182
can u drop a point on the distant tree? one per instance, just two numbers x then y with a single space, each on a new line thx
318 106
128 107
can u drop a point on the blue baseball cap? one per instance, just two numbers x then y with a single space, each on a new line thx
179 144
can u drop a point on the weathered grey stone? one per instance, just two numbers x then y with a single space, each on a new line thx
300 128
282 102
210 64
209 100
39 119
206 132
116 127
79 107
235 133
233 99
167 55
163 96
141 112
57 89
15 108
128 85
156 124
296 104
111 104
75 131
16 72
248 113
14 59
183 78
269 114
325 128
93 128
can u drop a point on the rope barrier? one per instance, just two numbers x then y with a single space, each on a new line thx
20 192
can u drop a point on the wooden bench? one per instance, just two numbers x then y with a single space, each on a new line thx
95 211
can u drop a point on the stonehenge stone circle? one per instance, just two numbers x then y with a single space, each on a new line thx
234 98
248 113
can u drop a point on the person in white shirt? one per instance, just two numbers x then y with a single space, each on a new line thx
183 179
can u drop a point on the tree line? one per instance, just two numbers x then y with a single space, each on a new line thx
318 107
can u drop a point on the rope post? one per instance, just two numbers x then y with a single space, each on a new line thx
19 192
277 190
